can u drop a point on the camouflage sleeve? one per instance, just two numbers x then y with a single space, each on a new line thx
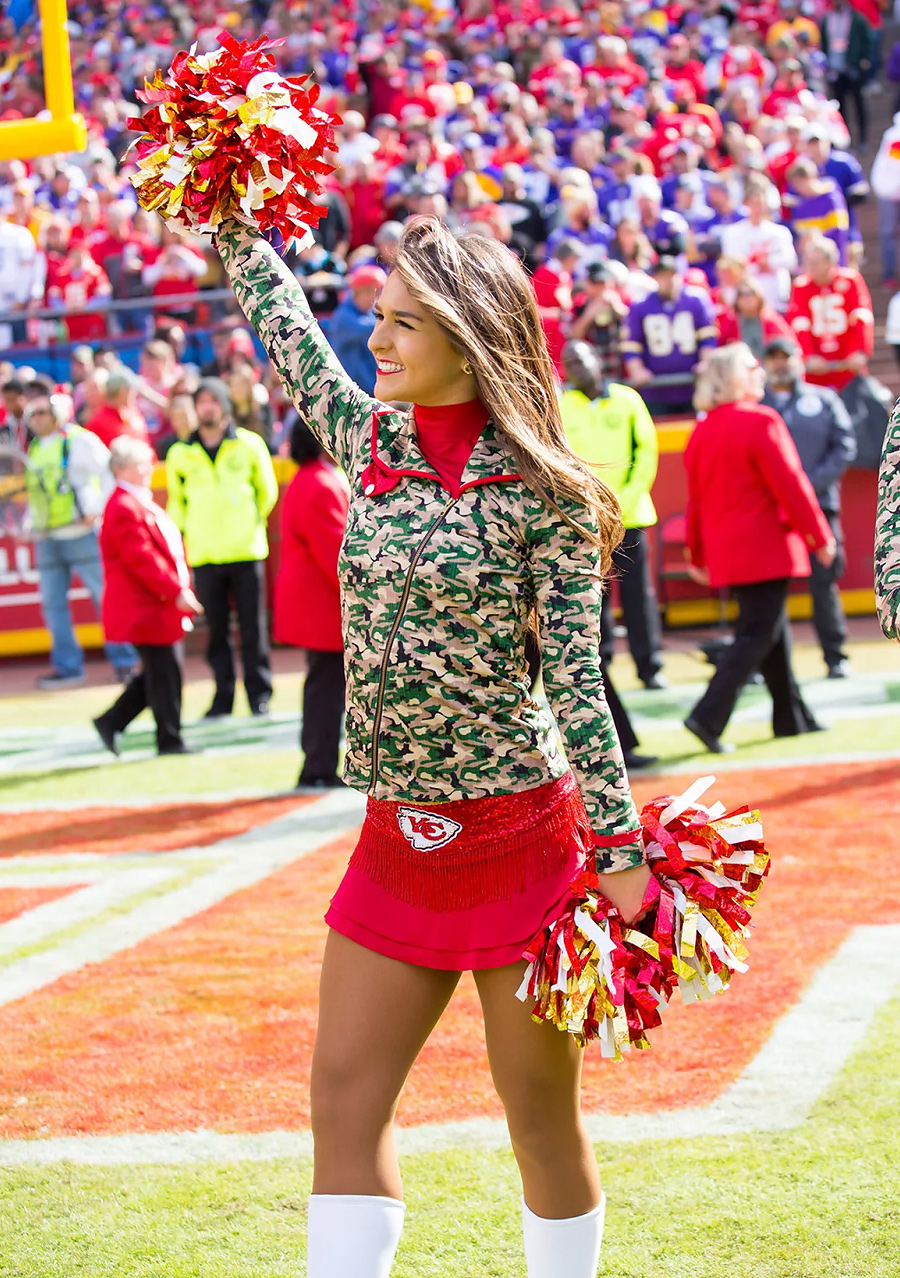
336 410
568 585
887 532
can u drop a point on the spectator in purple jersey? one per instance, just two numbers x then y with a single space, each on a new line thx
666 231
841 167
666 334
816 206
685 160
566 123
581 223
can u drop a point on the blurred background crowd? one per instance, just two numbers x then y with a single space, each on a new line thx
674 177
619 148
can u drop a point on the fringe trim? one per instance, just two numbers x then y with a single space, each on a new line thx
483 872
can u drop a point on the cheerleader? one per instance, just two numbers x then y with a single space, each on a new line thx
471 526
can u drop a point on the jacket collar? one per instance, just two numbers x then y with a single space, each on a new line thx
396 455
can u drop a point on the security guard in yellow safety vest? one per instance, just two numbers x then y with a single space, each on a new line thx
67 482
222 488
608 426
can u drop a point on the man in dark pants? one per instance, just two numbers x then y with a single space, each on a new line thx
820 427
222 488
608 426
762 641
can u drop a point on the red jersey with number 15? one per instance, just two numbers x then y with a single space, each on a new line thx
833 320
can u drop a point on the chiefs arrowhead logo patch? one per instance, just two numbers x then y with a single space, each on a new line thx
426 830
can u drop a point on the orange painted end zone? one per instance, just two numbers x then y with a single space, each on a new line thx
15 901
111 830
115 1048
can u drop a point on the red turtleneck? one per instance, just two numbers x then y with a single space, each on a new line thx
447 436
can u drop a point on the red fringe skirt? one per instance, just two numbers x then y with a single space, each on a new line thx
464 885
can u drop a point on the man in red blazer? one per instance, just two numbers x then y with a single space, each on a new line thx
147 596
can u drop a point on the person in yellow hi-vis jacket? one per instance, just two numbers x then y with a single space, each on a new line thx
609 426
222 488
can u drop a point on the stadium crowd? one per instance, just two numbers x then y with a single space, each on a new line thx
675 178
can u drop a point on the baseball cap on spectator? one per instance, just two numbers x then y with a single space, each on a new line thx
470 142
389 231
385 122
598 272
816 130
512 173
693 275
240 343
664 263
690 182
368 277
463 92
120 379
780 346
646 187
434 57
677 41
217 388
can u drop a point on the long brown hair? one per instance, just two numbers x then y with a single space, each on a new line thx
480 295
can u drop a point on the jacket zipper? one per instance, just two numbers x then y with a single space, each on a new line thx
401 608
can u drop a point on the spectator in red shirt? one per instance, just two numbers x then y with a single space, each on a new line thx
81 282
55 244
364 194
614 66
553 66
552 284
87 225
786 90
176 270
119 414
121 252
681 66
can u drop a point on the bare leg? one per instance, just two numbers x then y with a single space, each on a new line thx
374 1017
537 1073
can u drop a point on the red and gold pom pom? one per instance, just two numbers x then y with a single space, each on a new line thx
594 976
226 137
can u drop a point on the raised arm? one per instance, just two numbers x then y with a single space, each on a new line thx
336 410
568 585
887 532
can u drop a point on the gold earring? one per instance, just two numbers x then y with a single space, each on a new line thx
467 368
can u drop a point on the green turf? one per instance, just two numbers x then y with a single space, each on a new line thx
818 1202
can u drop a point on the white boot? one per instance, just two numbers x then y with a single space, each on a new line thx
563 1248
352 1235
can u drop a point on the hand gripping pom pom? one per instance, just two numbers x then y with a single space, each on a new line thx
226 138
597 977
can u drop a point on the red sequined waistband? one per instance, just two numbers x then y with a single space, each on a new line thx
467 852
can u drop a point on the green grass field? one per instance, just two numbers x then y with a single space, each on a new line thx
818 1202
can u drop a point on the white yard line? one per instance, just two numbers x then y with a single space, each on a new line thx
243 860
75 907
807 1050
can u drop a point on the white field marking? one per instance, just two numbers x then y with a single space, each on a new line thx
67 911
734 763
244 859
144 801
806 1051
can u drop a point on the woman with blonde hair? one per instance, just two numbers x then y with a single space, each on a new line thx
471 524
752 518
751 320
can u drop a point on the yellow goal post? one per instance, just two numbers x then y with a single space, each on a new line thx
65 130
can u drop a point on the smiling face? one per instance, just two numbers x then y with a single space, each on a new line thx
415 361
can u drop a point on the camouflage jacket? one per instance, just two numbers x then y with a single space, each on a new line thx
436 595
887 531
